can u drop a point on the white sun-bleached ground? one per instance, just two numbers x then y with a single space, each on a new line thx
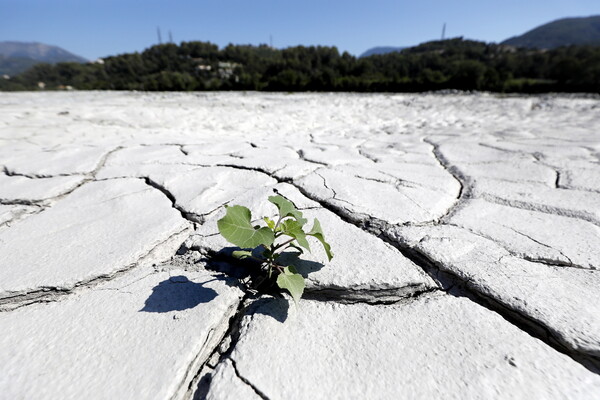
465 228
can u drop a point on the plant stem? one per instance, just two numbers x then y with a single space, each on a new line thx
278 222
257 259
274 248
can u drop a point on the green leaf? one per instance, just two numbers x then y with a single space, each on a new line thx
287 209
241 254
317 232
291 281
235 226
270 222
294 229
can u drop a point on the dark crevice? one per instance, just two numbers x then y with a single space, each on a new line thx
91 174
464 182
462 287
542 208
104 159
553 263
200 382
372 297
40 176
182 149
406 183
252 279
303 158
250 273
22 202
512 253
509 151
456 285
539 159
579 188
179 391
245 168
41 202
41 295
180 146
368 156
247 382
256 390
198 385
533 328
394 182
8 172
46 294
193 218
546 261
332 190
447 280
87 178
21 215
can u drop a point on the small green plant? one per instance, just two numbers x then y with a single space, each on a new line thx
266 244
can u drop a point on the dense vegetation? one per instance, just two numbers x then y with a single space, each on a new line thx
449 64
381 50
562 32
14 65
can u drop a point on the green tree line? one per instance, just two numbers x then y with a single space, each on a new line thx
449 64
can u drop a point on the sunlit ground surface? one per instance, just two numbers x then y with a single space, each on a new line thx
465 230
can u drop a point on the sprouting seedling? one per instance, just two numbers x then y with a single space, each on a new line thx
265 244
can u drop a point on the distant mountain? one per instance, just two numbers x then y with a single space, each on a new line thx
381 50
15 65
38 51
16 57
562 32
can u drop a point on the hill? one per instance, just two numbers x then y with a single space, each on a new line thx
38 52
439 65
381 50
15 65
562 32
16 57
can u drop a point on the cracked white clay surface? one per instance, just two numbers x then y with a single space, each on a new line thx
412 350
155 326
465 228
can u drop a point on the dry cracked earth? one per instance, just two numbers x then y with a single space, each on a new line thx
466 233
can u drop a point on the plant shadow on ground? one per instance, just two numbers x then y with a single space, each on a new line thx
178 293
275 308
253 279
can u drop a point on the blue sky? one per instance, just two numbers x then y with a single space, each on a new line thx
96 28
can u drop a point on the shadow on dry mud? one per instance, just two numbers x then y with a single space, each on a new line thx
249 273
274 308
178 293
